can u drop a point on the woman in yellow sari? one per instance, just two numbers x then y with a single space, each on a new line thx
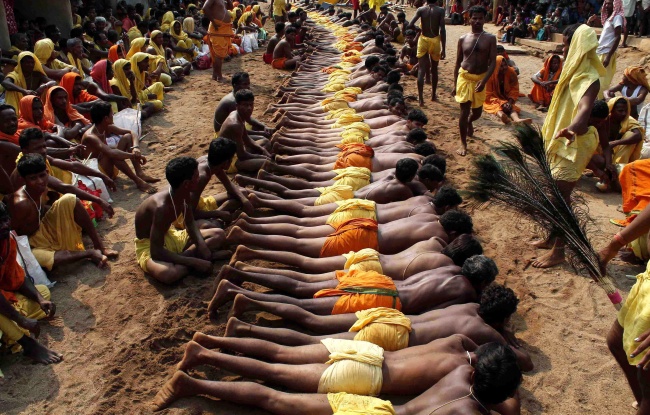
181 43
123 84
157 63
27 78
188 27
167 20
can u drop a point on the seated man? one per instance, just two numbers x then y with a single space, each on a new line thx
283 56
54 229
389 329
163 252
502 91
30 79
22 303
272 42
250 156
363 369
112 146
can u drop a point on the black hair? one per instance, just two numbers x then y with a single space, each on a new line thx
4 213
205 21
112 36
291 15
396 101
570 30
416 136
409 32
238 77
436 160
393 76
50 30
379 40
395 87
462 248
30 164
180 169
497 375
401 14
477 9
456 220
430 172
221 150
4 107
76 32
289 30
425 149
279 27
153 24
244 95
406 169
14 37
497 304
167 35
28 135
600 109
447 197
432 1
479 269
417 115
99 111
392 53
371 61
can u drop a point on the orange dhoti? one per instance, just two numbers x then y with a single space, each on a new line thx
635 189
362 290
267 58
354 155
351 235
278 63
220 39
539 95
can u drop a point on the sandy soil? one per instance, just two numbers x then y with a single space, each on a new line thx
121 333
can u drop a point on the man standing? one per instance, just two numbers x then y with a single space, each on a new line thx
431 44
219 33
613 26
475 62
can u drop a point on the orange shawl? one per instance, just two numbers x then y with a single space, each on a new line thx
113 54
67 82
26 119
494 97
12 276
73 115
354 155
538 94
362 290
351 235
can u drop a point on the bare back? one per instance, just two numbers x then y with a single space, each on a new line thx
226 105
384 191
432 19
152 206
282 50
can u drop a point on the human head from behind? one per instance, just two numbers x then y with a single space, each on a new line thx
599 116
32 168
53 33
496 306
245 100
182 173
496 374
567 37
32 141
379 41
416 119
436 160
425 149
8 120
393 76
446 199
240 80
221 152
101 114
279 29
462 248
397 106
456 222
416 136
406 169
371 62
430 176
479 270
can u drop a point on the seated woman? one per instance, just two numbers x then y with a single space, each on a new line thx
193 35
245 25
156 63
634 87
31 116
156 48
544 82
181 43
27 78
101 74
59 111
124 83
502 91
259 19
53 67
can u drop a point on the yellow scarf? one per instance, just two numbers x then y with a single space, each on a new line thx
180 35
136 46
167 20
119 78
43 50
76 63
12 97
139 76
242 19
188 25
628 124
134 33
160 51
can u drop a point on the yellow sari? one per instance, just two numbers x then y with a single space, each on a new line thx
13 97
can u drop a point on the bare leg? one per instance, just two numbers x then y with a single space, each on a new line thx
434 79
292 207
615 345
463 122
37 352
298 276
307 264
294 231
237 328
309 247
298 289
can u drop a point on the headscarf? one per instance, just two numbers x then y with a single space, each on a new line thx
98 73
188 25
119 78
67 83
43 50
134 33
256 9
48 110
618 11
26 119
546 70
167 20
18 78
637 75
581 69
136 46
139 76
181 35
248 8
113 54
160 51
494 95
629 123
190 7
242 19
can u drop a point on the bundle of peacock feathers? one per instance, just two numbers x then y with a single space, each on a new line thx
520 180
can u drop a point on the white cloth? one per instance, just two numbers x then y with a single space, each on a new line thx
634 94
644 120
29 263
608 36
629 6
93 183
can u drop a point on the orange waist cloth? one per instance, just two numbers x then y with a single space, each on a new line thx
354 155
278 63
267 58
362 290
12 275
351 235
635 188
219 39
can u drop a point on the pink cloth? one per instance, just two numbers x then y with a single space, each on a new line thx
98 73
127 24
618 11
11 19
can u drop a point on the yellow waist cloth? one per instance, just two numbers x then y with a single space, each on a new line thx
466 88
627 153
355 367
568 161
366 259
634 316
385 327
175 241
233 165
334 86
344 111
10 332
640 247
429 46
57 232
357 132
63 175
347 118
352 209
334 193
347 404
205 204
355 177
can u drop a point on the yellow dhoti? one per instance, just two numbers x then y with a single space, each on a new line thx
429 46
334 193
568 160
57 232
205 204
627 153
355 367
25 307
347 404
466 88
357 132
352 209
634 316
366 259
233 165
640 247
175 241
385 327
157 89
355 177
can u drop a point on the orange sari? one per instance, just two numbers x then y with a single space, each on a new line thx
26 119
540 95
354 155
635 189
67 82
494 96
351 235
73 115
12 276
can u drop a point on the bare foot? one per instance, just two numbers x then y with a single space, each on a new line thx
146 187
543 243
221 297
434 97
263 174
240 305
421 102
553 257
179 386
243 253
234 326
39 353
148 178
243 216
111 254
267 166
243 180
98 258
224 273
255 201
462 151
234 235
191 357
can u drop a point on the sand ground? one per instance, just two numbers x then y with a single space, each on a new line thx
122 333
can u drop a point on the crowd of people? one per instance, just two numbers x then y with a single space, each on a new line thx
379 261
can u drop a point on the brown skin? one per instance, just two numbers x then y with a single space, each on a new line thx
217 12
273 41
71 131
8 151
36 82
284 50
475 60
227 104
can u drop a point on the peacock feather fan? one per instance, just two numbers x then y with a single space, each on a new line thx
519 179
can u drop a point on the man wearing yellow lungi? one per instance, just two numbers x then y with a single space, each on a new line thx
431 45
474 67
344 366
613 21
569 140
54 233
